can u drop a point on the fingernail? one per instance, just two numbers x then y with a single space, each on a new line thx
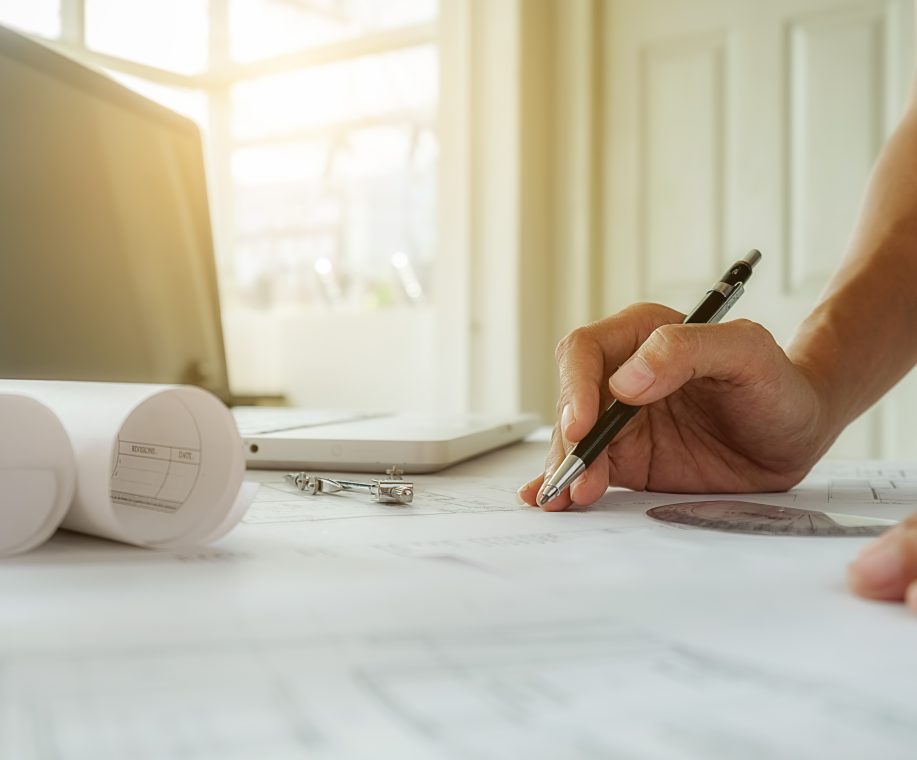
525 487
577 484
632 378
566 418
541 488
880 567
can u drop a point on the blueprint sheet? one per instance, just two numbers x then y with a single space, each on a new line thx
463 626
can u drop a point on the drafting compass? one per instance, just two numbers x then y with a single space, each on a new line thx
751 517
391 490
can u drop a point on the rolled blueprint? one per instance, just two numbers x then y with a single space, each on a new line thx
157 466
37 473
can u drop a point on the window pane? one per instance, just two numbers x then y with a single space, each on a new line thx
266 28
335 166
344 221
169 34
398 82
40 17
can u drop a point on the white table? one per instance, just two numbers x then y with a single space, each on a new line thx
464 626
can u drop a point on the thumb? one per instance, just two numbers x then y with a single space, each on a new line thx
741 352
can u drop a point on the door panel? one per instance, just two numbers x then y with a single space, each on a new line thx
681 85
739 124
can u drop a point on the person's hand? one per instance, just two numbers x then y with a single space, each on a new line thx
887 568
727 411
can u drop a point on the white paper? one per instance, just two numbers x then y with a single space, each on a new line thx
477 628
37 473
157 466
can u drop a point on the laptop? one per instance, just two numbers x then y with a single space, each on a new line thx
107 269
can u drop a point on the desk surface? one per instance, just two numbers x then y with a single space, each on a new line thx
463 626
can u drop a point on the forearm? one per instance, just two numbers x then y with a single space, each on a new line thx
862 337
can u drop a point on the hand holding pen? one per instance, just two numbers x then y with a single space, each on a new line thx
720 407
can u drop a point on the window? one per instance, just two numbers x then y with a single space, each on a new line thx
267 28
334 169
319 118
41 17
166 34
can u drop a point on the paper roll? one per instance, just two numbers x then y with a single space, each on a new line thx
37 473
157 466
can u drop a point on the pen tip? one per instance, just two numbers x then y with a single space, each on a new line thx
546 495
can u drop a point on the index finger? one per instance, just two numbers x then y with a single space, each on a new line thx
588 356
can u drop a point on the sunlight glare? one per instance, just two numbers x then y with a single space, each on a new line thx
311 98
40 17
268 28
170 34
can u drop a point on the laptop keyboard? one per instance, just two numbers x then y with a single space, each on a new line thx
256 420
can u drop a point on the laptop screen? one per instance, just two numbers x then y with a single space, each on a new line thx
106 255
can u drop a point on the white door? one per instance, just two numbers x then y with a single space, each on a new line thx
737 124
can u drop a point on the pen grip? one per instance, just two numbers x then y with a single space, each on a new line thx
609 424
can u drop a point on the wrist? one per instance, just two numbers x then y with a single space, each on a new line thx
816 350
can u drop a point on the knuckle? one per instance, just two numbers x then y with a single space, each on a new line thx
669 341
634 310
754 331
640 309
648 314
570 342
757 338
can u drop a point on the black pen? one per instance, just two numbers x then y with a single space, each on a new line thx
713 306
